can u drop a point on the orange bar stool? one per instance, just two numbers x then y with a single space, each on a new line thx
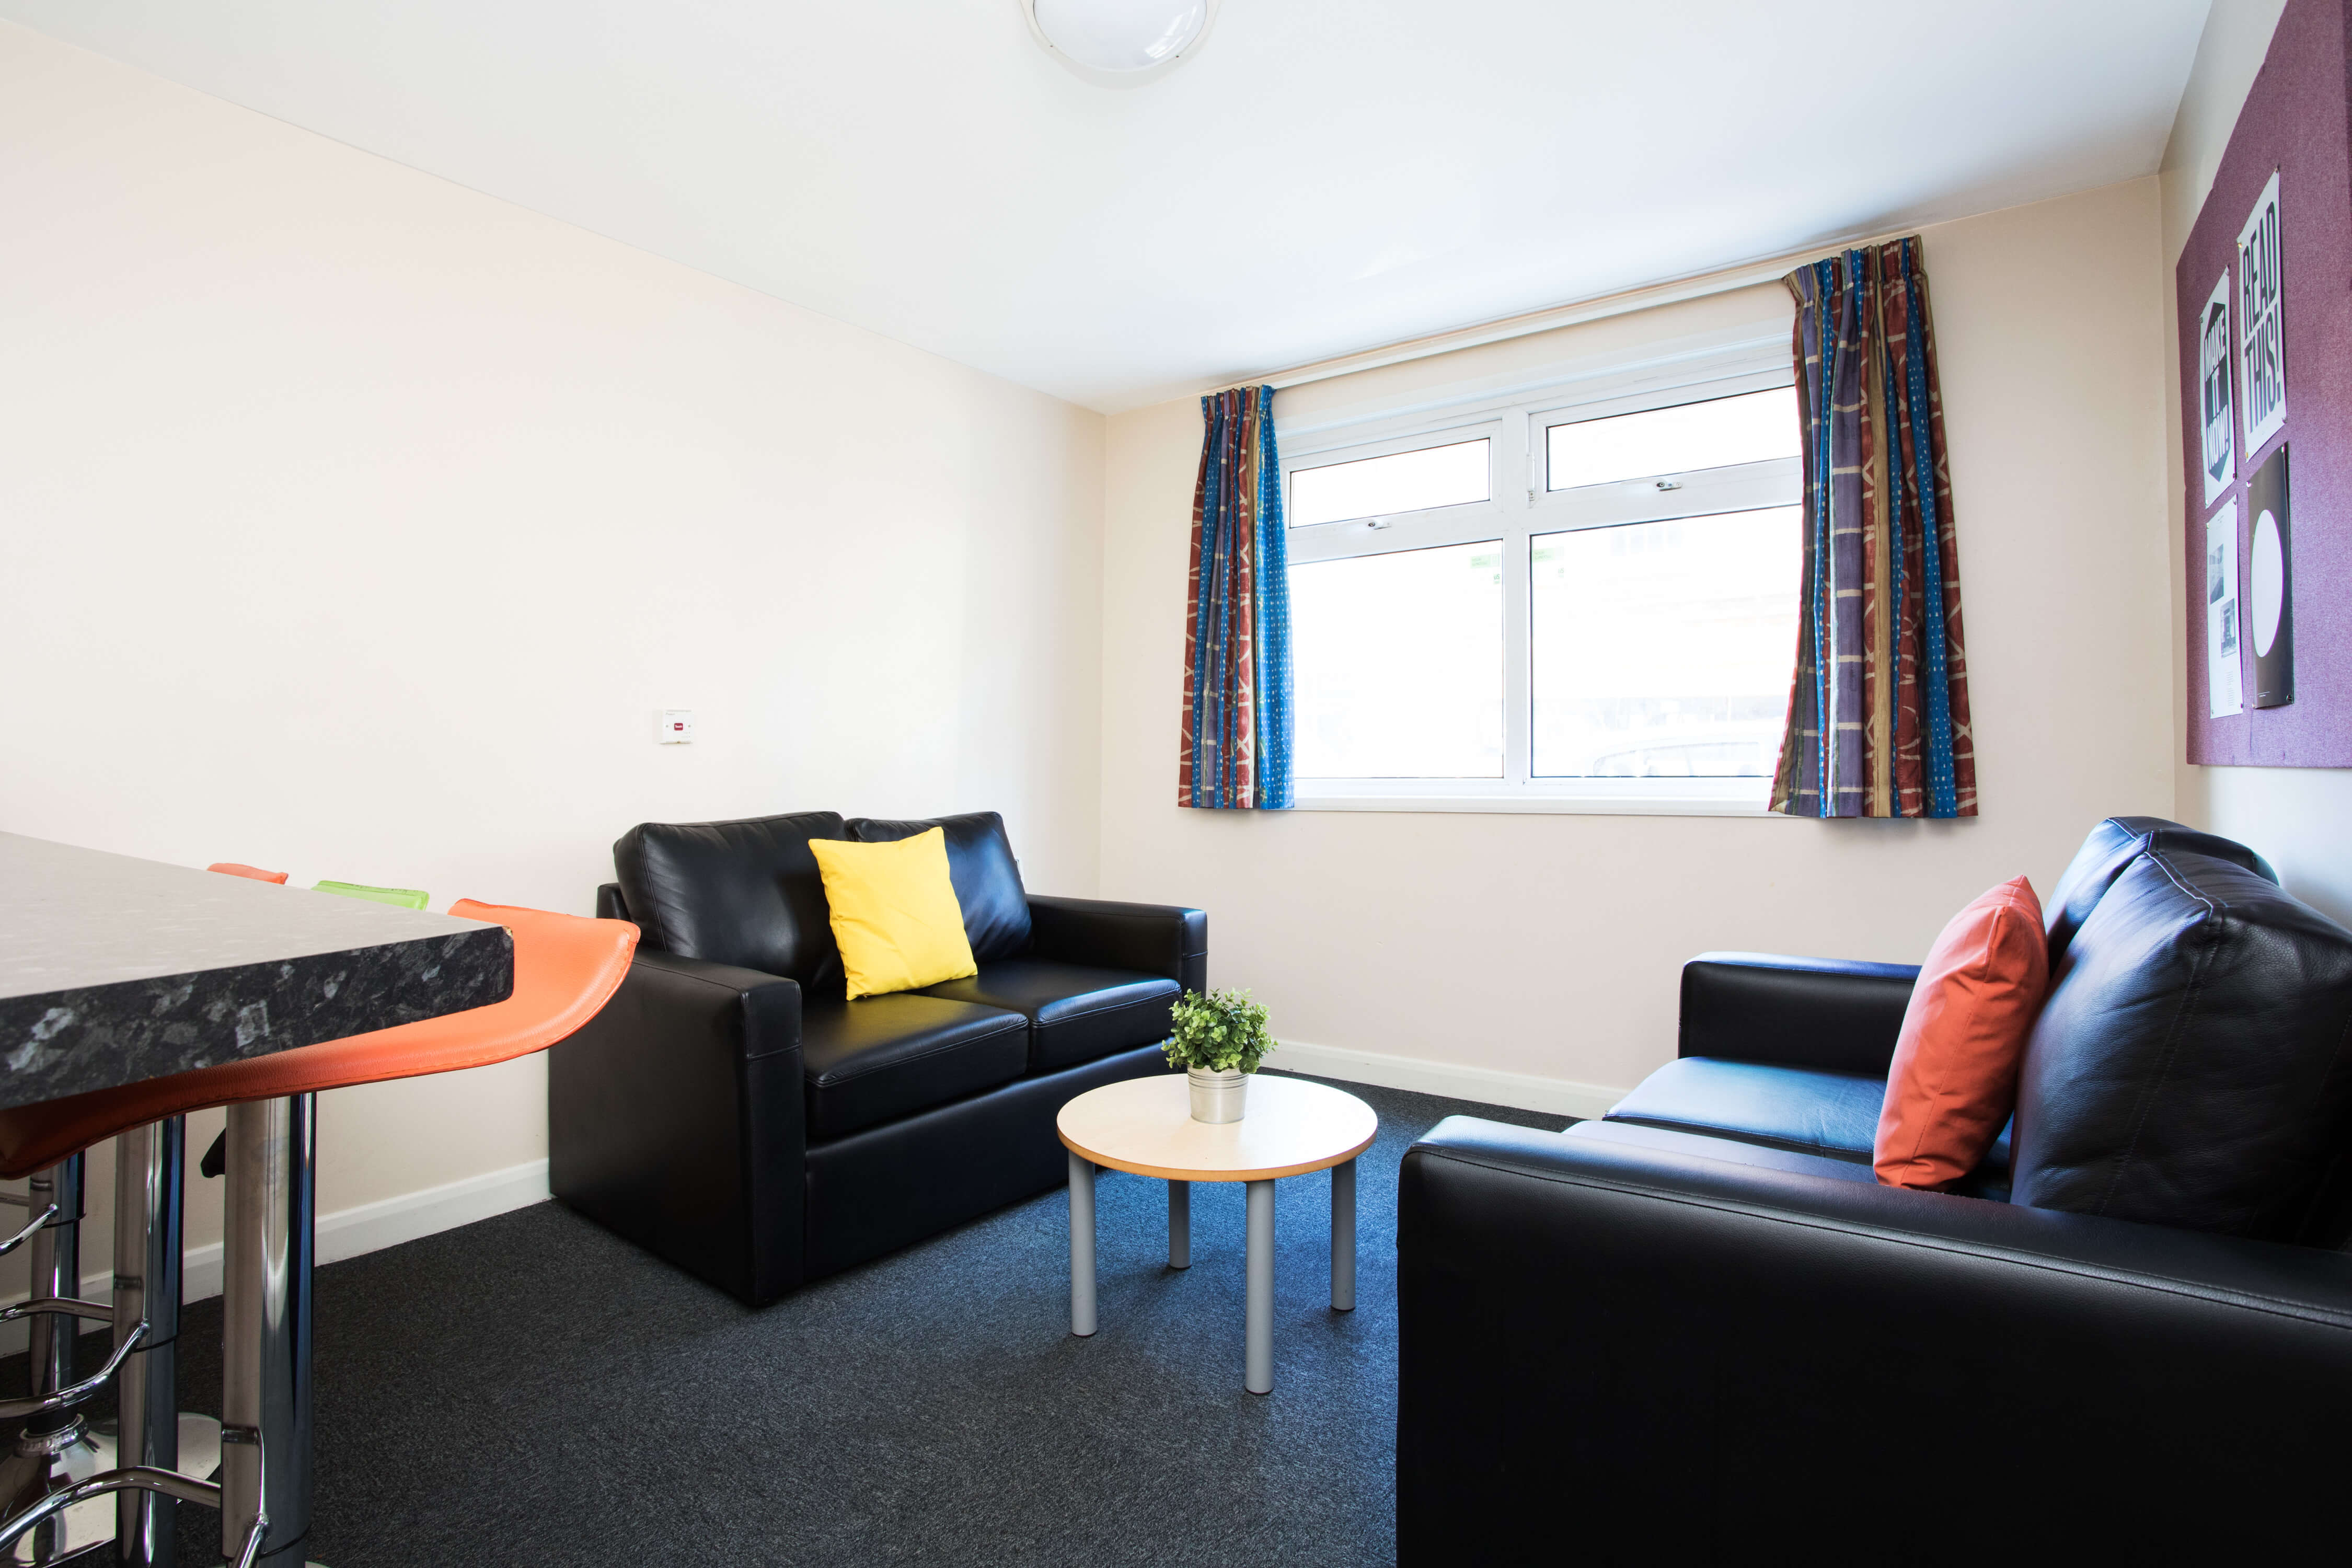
566 967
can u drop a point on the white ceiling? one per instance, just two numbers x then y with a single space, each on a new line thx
1325 176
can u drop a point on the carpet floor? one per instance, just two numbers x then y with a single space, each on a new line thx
531 1390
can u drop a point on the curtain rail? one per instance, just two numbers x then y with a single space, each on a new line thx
1698 286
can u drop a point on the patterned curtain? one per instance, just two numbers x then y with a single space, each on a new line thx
1878 713
1236 743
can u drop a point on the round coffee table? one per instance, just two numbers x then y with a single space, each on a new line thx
1145 1126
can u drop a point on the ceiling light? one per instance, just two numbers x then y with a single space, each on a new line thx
1119 43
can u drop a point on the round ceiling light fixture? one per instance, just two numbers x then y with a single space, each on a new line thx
1119 43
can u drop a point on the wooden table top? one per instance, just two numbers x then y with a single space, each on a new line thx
1145 1125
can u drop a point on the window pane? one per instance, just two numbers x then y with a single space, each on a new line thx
1399 661
1745 430
1380 486
1663 649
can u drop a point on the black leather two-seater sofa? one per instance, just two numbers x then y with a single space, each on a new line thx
730 1111
1698 1331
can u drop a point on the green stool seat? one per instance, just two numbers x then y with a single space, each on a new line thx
404 898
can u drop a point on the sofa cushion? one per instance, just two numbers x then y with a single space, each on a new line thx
1731 1151
881 1057
981 864
1953 1082
2112 845
2192 1065
894 917
1807 1109
1076 1013
743 893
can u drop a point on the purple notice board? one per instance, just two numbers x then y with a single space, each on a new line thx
2297 122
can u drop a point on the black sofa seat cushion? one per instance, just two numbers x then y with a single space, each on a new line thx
1804 1109
1731 1151
1076 1013
880 1057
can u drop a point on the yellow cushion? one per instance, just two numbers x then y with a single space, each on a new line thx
895 914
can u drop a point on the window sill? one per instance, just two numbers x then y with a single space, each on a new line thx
1530 801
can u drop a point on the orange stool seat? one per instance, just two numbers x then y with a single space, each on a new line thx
566 967
231 869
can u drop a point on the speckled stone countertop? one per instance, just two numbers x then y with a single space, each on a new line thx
113 970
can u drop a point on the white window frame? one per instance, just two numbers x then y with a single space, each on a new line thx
1522 507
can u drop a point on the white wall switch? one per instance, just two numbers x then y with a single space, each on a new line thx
674 727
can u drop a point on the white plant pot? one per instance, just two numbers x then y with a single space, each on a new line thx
1218 1097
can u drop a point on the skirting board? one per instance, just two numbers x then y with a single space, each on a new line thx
348 1233
1526 1091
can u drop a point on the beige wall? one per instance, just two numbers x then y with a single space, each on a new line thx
356 524
2299 817
1548 945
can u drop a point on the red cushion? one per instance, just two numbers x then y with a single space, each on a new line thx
1954 1079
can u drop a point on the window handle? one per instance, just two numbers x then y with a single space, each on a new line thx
1376 522
1670 484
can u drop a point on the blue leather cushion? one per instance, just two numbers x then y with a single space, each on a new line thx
1806 1110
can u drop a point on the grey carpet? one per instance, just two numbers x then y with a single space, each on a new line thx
531 1390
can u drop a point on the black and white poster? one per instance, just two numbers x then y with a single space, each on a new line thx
2221 419
2270 583
2225 682
2261 328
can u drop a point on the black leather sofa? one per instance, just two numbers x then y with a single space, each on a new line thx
730 1112
1698 1331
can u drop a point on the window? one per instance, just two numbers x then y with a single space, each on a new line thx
1621 628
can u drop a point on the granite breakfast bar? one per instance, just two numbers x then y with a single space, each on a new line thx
115 970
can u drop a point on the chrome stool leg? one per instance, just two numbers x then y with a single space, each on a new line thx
154 1433
57 1447
266 1326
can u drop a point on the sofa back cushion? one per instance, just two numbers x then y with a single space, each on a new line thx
981 864
747 893
2109 849
2189 1066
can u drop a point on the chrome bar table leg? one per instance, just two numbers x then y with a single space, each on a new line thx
1343 1236
148 1244
1082 1246
1257 1338
1180 1225
56 1449
266 1324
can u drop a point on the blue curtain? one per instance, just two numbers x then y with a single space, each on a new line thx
1235 750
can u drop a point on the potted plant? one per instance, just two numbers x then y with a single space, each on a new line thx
1219 1040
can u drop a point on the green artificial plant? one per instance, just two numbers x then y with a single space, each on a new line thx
1220 1032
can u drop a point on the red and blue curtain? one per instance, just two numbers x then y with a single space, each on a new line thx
1878 713
1237 740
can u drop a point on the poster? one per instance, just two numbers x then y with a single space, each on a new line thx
2261 327
2221 426
2270 583
2225 682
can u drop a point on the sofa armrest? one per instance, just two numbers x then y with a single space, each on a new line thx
1158 939
676 1119
1678 1359
1841 1014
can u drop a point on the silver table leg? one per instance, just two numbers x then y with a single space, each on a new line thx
57 1449
1180 1225
1343 1236
266 1324
1082 1246
1257 1348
